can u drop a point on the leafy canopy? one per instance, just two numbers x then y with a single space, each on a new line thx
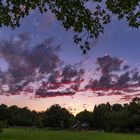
74 14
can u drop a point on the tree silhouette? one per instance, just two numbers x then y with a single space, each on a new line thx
74 14
107 117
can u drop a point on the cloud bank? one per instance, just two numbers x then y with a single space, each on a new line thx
38 71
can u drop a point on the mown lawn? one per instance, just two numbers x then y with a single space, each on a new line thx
25 134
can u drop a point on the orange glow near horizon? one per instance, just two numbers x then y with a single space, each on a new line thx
74 104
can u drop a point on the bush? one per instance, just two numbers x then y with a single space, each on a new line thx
1 130
3 124
137 130
1 127
117 129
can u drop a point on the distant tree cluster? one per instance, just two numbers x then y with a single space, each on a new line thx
55 117
117 117
105 117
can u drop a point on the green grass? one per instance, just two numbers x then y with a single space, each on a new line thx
25 134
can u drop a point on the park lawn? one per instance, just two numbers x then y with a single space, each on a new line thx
26 134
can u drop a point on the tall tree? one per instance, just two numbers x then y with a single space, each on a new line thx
85 117
4 113
57 117
99 114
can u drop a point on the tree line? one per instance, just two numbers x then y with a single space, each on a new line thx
105 117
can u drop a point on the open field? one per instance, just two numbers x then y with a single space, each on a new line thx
25 134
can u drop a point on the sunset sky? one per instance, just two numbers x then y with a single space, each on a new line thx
41 54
